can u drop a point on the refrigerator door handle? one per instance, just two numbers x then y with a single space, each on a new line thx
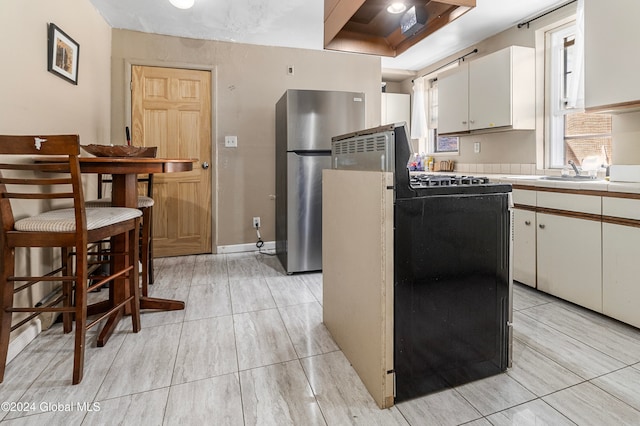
310 152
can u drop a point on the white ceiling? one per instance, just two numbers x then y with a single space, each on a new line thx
299 23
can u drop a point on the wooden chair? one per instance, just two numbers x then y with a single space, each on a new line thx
56 186
145 204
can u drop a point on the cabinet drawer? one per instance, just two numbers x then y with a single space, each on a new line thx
524 197
572 202
621 207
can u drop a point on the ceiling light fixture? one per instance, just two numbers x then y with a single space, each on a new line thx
182 4
396 7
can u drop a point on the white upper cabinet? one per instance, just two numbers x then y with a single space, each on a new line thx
453 100
396 107
494 92
611 54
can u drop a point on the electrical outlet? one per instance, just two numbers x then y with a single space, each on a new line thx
476 147
256 222
231 141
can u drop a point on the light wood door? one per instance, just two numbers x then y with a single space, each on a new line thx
171 109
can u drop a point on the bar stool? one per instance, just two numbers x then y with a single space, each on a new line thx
145 204
66 224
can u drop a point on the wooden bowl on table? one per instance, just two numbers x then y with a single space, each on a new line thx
120 150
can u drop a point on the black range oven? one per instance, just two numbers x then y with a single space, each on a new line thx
452 273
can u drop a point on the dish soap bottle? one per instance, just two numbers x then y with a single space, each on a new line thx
419 165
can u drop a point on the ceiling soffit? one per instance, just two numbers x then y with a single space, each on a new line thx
365 26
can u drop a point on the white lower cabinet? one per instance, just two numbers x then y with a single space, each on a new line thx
524 246
620 272
569 259
581 248
620 266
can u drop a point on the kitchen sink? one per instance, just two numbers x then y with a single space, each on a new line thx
571 178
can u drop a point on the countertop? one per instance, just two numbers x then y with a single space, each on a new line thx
535 181
595 185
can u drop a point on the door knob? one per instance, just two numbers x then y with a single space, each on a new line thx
205 165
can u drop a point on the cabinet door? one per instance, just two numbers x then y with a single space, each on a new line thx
490 91
524 247
620 272
453 100
611 42
569 259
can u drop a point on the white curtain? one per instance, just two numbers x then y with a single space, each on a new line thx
575 89
432 104
419 129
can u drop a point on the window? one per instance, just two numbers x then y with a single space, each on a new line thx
572 134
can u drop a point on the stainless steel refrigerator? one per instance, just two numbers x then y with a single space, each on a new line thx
306 120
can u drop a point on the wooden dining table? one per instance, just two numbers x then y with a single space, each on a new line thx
125 171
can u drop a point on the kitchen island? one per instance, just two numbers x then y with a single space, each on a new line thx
417 296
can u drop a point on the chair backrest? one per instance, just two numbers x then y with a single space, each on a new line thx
104 179
31 177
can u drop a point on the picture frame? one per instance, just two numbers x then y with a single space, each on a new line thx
63 54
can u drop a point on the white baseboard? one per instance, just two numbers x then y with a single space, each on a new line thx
28 333
241 248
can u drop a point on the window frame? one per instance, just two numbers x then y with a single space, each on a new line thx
556 42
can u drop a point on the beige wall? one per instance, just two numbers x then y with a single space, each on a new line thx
247 82
35 101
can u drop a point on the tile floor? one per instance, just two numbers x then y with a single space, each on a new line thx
250 348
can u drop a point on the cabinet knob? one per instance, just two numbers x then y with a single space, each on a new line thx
472 121
541 226
527 222
464 122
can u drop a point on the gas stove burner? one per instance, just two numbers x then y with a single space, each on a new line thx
424 180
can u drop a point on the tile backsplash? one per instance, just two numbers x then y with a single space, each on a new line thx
503 168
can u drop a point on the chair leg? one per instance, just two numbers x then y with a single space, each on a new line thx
6 303
150 264
80 313
145 248
134 290
67 291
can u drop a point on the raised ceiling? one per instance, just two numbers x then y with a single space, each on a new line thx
365 26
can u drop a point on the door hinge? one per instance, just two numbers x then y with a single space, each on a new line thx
393 373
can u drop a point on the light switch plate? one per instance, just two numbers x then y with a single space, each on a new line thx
476 147
231 141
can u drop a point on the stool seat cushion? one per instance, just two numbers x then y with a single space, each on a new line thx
64 220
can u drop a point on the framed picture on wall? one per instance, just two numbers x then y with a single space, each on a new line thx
63 54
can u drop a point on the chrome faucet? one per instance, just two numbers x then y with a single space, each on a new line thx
575 168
